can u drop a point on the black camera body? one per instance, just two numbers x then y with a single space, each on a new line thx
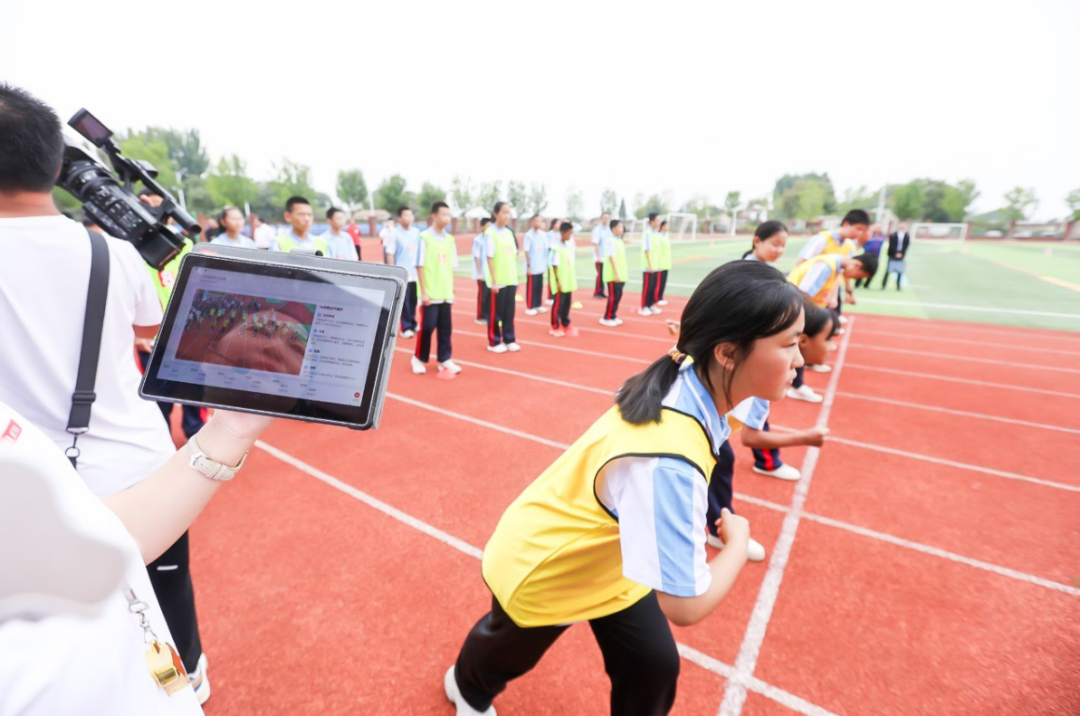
112 205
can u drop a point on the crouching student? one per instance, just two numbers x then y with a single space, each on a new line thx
563 281
818 278
613 532
435 265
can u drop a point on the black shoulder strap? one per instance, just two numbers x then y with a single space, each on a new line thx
97 293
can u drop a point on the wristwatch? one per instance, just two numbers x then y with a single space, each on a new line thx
209 467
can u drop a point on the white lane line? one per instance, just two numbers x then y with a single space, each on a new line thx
962 413
703 660
978 309
969 342
1019 333
596 354
389 510
527 376
969 359
750 649
919 547
477 421
966 381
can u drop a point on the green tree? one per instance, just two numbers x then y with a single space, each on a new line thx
787 194
191 161
352 189
429 194
538 198
1073 200
958 200
909 200
266 204
144 146
654 204
291 179
518 196
1019 203
575 203
66 202
392 195
488 194
462 193
622 208
609 201
860 198
230 185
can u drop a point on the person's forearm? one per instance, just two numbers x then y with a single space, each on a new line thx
725 568
390 259
158 510
420 279
765 440
148 332
491 269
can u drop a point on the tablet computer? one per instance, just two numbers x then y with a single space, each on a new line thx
289 335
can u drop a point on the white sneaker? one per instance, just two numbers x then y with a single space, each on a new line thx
199 682
804 392
418 367
843 320
513 347
480 322
531 312
784 472
840 331
661 302
500 348
656 311
408 333
618 321
755 552
644 312
557 334
822 368
606 322
454 695
454 368
548 302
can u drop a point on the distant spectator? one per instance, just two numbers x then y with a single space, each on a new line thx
264 234
899 242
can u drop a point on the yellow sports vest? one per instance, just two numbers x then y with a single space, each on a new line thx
618 249
505 256
438 265
288 244
821 298
166 277
831 245
654 250
663 261
555 557
566 271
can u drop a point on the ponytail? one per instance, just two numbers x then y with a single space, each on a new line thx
738 303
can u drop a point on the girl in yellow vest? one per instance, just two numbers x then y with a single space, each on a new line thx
563 281
435 265
613 532
613 253
500 251
663 263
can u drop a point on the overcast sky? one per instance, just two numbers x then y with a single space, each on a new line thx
664 96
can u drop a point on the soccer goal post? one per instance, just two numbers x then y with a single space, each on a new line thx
956 232
682 227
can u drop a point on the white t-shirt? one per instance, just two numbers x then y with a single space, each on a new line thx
264 235
44 273
72 665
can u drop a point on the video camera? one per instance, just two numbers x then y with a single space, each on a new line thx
114 207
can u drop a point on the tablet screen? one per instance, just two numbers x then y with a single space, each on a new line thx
273 338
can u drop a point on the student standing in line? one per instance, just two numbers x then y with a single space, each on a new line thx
818 279
500 249
435 274
299 216
353 230
663 263
553 238
340 243
613 532
403 248
649 261
480 274
231 220
563 281
599 233
386 237
613 252
535 247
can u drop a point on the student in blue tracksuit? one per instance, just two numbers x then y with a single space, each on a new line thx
535 247
403 249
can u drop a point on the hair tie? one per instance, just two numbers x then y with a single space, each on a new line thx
677 355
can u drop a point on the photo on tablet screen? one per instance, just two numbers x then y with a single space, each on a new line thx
254 332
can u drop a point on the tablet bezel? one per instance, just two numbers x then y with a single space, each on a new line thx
389 280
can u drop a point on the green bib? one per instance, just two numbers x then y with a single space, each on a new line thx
288 244
438 268
166 277
566 271
618 247
504 256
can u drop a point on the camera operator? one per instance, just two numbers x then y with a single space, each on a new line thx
75 591
44 274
